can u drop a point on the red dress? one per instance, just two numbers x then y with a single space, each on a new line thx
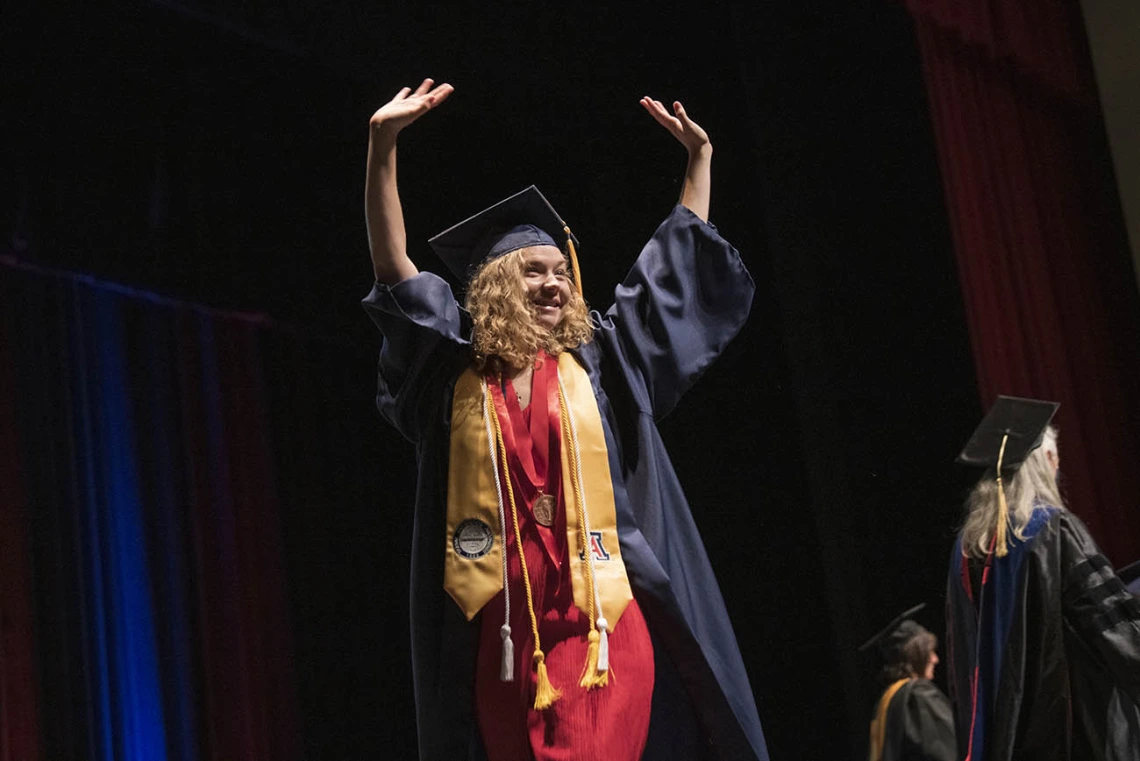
609 722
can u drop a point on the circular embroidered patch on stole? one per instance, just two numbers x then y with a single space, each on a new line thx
472 539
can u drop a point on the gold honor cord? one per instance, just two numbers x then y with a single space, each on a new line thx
1001 535
592 675
475 494
588 455
545 694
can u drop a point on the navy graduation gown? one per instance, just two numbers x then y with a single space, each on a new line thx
686 297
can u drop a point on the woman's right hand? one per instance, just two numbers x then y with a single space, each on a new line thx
407 106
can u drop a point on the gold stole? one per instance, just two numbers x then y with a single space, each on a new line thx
879 723
473 560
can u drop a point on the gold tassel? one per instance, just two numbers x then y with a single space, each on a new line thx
1001 531
573 259
544 694
1001 534
591 676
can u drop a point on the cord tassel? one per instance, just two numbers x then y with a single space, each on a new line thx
603 645
507 666
591 677
1001 532
573 251
544 693
597 670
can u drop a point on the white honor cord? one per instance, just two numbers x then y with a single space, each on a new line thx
507 665
601 623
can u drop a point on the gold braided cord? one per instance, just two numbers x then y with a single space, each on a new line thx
592 677
545 694
579 503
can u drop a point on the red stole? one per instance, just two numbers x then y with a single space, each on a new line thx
532 445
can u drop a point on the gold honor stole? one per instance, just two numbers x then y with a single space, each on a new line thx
879 723
473 562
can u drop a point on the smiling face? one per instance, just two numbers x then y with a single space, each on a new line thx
547 280
522 303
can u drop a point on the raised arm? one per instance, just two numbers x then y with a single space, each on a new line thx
386 237
697 185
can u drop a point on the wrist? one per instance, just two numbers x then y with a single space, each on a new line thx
701 152
382 134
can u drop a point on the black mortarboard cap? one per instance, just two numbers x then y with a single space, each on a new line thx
1023 420
891 640
522 220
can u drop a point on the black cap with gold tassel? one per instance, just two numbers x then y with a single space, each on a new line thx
519 221
1009 433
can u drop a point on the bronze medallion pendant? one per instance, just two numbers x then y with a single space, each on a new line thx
544 509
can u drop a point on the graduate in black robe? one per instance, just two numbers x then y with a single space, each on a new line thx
685 297
913 720
1044 639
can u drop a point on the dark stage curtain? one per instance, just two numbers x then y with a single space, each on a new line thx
143 605
19 728
1042 254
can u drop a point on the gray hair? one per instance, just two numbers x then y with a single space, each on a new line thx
1034 482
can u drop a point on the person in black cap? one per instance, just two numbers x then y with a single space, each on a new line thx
584 619
913 719
1043 638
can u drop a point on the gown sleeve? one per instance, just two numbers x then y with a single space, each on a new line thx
423 349
686 297
1099 607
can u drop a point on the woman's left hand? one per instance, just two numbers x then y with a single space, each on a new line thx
688 132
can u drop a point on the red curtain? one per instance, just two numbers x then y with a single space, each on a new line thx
1042 39
1049 294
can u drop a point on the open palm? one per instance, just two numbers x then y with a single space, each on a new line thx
407 106
688 132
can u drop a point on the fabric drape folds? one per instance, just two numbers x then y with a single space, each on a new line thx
141 542
1041 38
1042 255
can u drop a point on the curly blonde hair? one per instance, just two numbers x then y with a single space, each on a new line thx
506 330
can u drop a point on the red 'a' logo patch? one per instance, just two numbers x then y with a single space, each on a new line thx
597 549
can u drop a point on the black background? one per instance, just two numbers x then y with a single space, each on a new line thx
216 154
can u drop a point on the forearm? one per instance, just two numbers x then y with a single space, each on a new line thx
697 185
383 213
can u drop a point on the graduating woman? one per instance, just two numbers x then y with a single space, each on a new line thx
581 618
1044 639
913 720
